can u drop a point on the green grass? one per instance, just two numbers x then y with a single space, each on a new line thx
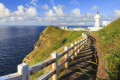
51 39
109 38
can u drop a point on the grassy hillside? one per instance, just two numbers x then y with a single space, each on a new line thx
51 39
109 38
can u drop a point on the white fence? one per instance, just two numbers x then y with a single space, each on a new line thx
23 71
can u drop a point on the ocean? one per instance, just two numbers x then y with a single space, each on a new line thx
15 43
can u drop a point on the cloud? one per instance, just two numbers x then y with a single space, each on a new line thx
45 7
76 12
81 23
95 8
56 15
50 13
25 12
58 9
31 12
20 11
117 12
90 15
33 2
114 16
74 17
74 2
24 15
4 11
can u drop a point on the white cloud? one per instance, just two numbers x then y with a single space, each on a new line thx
95 8
81 23
50 13
20 18
20 11
34 2
4 11
90 15
74 2
117 12
31 12
56 15
12 18
58 9
45 7
24 15
114 16
76 12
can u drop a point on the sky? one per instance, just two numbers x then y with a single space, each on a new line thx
57 12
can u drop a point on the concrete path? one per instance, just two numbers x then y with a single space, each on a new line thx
81 61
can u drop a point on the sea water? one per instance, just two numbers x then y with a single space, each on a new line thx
15 43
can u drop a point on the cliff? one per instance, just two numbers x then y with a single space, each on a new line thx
51 39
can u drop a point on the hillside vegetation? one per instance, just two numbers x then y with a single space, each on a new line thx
51 39
109 38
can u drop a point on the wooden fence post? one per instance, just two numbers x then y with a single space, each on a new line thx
23 70
66 57
86 39
76 48
84 42
81 43
55 66
72 51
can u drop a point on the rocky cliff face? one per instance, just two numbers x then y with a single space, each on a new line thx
50 39
41 43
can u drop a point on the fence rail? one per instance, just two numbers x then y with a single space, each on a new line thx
23 71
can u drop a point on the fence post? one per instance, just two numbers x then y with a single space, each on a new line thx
86 39
76 48
72 51
55 65
81 43
66 57
23 70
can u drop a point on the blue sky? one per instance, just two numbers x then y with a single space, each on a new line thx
65 12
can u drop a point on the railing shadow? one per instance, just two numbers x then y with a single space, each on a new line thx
88 53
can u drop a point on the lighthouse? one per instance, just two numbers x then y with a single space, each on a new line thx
97 23
97 20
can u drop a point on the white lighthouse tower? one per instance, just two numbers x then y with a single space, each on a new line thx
97 20
97 23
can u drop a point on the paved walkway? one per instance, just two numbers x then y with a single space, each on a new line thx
81 61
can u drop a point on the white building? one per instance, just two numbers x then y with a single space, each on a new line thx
63 27
105 23
97 23
78 29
